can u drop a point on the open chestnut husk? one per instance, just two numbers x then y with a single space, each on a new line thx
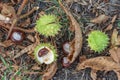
17 36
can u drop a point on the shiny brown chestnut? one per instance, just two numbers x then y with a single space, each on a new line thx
43 52
65 62
17 36
66 48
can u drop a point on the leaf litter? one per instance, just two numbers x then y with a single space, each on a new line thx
9 20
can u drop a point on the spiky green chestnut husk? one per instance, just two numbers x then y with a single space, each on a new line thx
48 25
97 40
51 56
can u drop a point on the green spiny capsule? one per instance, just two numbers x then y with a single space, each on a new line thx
48 25
97 40
45 53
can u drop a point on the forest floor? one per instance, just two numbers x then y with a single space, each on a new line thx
16 60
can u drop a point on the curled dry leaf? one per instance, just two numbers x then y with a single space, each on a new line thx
76 44
50 72
115 39
4 19
110 26
99 63
8 11
100 19
115 54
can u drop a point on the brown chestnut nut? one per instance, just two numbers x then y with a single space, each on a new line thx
65 62
43 52
17 36
66 48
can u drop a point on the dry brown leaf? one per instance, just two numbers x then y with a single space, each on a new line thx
82 58
31 38
35 67
50 72
113 19
114 38
99 63
93 75
8 11
76 44
110 26
115 54
6 43
100 19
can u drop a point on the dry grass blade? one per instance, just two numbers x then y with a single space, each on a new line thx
76 44
99 63
50 72
100 19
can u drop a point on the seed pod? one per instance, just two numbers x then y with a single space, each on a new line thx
48 25
45 53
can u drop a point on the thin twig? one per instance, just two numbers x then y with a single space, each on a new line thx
21 29
21 7
16 19
30 12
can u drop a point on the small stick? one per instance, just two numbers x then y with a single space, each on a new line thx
21 7
11 28
16 19
30 12
21 29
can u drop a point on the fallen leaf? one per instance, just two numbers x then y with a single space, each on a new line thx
35 67
50 72
93 75
82 58
110 26
100 19
99 63
8 11
6 43
31 38
115 54
114 38
113 19
76 44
